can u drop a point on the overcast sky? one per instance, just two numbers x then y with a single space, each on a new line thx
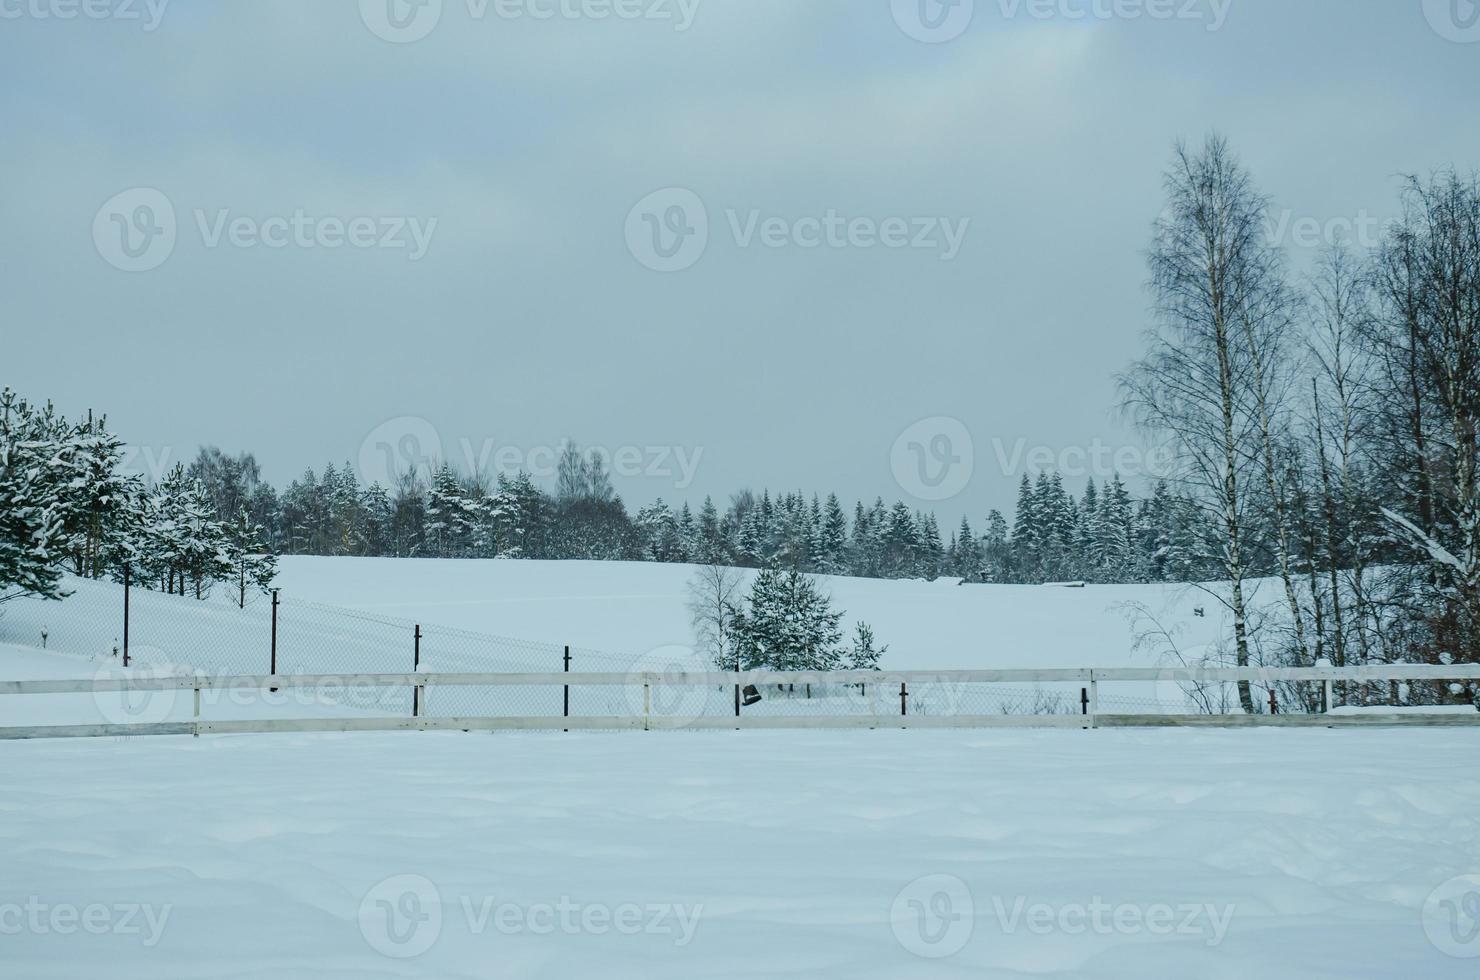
830 244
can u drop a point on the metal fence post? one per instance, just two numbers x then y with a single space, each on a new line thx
415 667
567 687
903 703
125 613
272 667
647 702
1274 705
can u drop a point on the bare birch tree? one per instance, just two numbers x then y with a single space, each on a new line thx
1195 386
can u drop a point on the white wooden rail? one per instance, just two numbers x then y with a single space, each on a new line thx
1089 678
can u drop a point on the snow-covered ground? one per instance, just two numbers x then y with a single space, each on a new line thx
851 854
865 854
637 607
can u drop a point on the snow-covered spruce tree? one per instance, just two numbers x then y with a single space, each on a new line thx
449 529
205 554
100 495
254 563
787 625
35 501
181 541
863 655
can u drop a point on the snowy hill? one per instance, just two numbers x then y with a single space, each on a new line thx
635 607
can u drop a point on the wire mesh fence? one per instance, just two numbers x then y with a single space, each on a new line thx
220 634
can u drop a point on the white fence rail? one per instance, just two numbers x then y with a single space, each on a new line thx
1090 717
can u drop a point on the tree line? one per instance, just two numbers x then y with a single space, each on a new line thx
67 506
1103 536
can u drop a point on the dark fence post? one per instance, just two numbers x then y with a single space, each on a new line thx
415 667
567 687
1274 706
272 667
125 613
1084 700
903 703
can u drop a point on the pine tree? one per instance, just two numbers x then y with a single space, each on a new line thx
35 502
254 563
862 655
787 625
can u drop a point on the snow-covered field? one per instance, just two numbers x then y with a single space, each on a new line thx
850 854
636 607
876 854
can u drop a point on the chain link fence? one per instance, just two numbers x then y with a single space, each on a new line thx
219 634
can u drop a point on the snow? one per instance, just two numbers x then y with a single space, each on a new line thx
1405 709
1062 854
860 854
640 606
